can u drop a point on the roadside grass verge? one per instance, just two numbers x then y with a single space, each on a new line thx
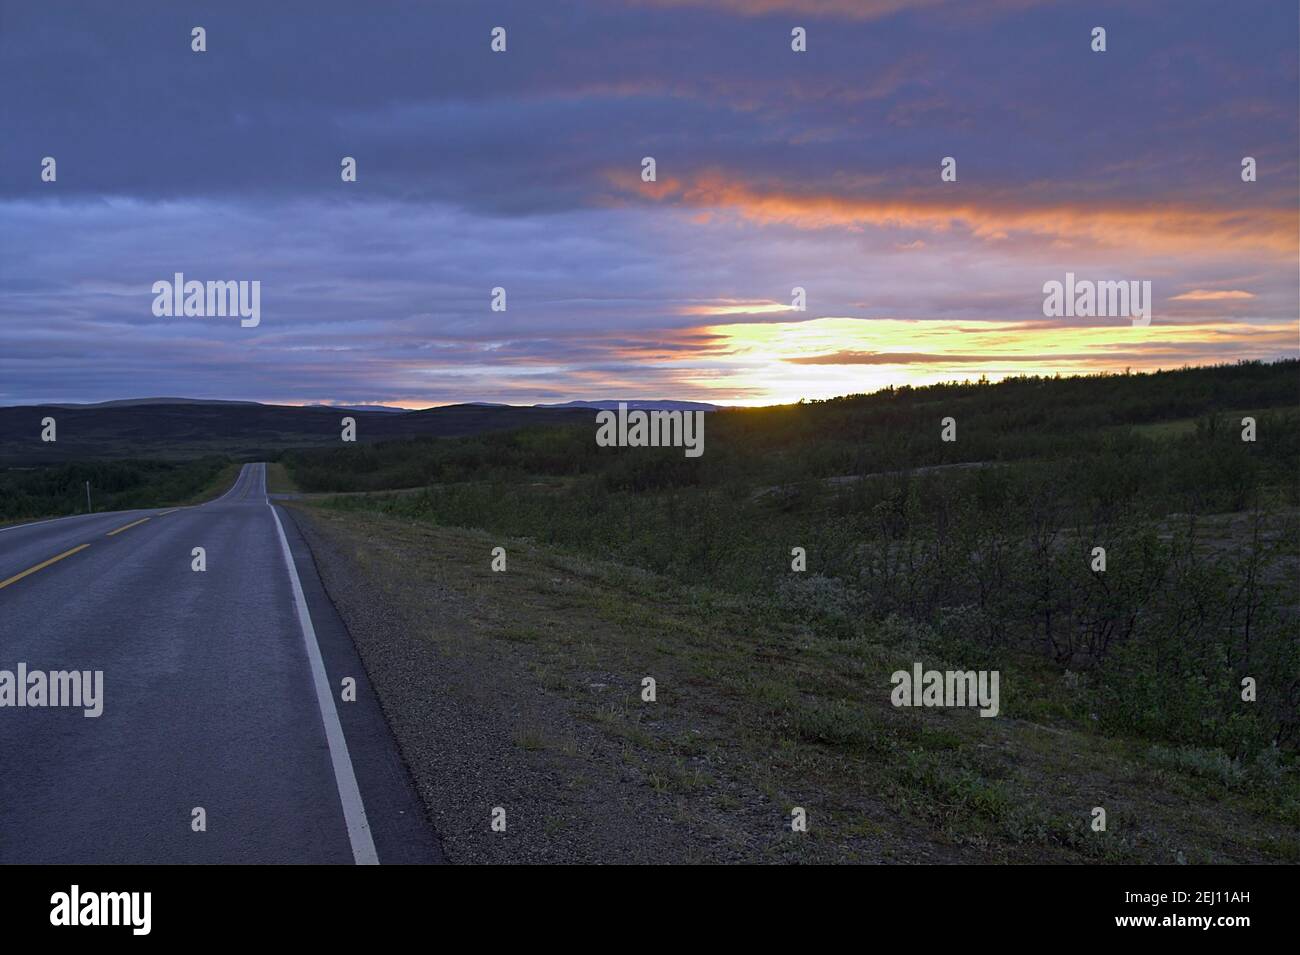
278 479
760 710
219 485
36 493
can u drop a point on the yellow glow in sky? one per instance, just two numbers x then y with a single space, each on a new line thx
784 361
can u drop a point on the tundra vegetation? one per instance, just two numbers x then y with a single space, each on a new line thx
978 552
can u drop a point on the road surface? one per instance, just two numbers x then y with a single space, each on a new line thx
222 691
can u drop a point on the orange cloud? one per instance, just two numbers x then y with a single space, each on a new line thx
1153 226
1211 295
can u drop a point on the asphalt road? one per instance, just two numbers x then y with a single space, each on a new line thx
221 691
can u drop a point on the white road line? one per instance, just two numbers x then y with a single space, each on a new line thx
51 520
354 812
233 488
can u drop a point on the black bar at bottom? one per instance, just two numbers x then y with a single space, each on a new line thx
212 904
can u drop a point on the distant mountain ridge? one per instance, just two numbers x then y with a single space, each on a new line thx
385 408
636 404
134 402
606 404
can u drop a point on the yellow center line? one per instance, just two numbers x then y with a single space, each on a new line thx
126 527
165 513
32 570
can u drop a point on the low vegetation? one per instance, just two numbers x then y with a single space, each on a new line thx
1138 668
59 490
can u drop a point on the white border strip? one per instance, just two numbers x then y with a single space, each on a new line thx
73 517
51 520
354 812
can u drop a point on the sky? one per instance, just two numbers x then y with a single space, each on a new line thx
522 170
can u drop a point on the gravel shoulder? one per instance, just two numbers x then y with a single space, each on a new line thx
476 727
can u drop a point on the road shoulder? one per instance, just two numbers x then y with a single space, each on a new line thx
469 704
398 822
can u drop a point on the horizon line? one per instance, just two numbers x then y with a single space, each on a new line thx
720 403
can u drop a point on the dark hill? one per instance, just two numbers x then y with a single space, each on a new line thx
243 430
